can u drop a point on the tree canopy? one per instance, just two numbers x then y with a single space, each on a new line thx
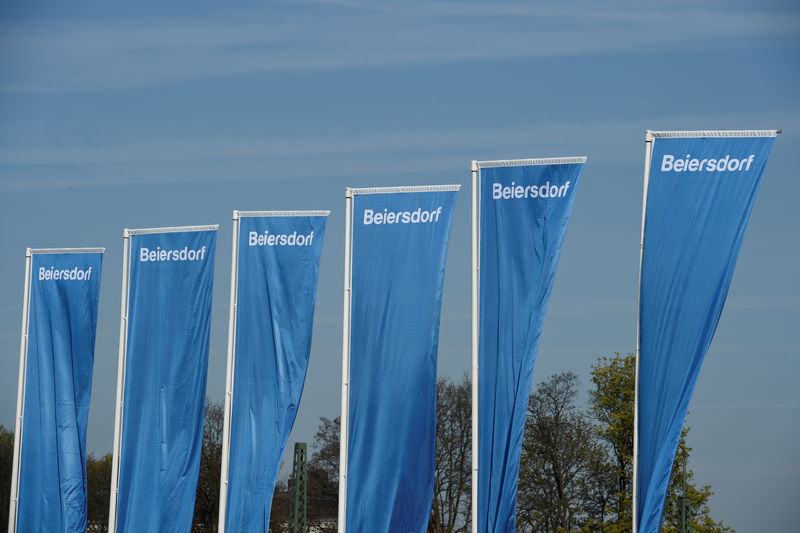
575 470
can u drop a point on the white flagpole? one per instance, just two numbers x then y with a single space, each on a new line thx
648 155
475 189
229 371
123 346
348 282
23 361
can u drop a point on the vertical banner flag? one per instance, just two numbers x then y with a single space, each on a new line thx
523 208
699 191
395 254
273 289
161 382
59 323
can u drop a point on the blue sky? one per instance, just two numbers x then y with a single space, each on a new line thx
144 116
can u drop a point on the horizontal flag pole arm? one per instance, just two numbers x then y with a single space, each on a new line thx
175 229
388 190
650 134
529 162
34 251
243 214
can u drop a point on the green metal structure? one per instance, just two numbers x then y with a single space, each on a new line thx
298 519
685 504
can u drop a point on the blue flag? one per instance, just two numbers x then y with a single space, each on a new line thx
166 357
524 209
62 322
277 257
399 247
700 193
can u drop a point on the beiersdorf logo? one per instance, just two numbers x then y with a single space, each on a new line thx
147 255
420 216
529 191
76 274
692 164
278 239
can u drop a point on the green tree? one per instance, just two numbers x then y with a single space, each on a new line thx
561 461
452 467
98 490
612 405
326 446
452 479
206 505
279 511
6 461
323 497
700 514
323 475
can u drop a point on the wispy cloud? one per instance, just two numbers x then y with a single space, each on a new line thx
745 405
116 54
162 160
763 303
591 307
613 10
380 142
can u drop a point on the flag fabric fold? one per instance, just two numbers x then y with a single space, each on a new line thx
700 193
276 273
399 248
62 324
524 210
165 367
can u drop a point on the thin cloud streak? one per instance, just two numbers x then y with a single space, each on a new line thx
778 303
373 153
744 405
429 140
614 10
381 142
66 56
